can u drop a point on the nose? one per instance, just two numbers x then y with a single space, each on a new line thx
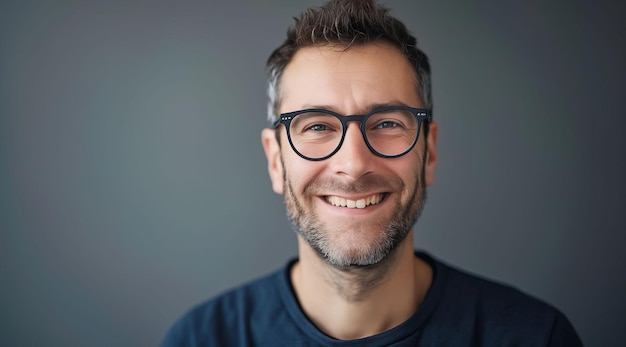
354 159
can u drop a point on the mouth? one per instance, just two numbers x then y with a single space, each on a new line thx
338 201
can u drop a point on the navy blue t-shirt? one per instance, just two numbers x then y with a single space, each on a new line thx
458 310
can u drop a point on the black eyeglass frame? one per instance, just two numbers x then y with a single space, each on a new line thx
420 114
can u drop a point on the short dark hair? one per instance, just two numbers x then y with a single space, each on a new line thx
346 23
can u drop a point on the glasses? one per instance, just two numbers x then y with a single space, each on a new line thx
389 132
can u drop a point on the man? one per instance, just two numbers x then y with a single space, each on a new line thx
352 148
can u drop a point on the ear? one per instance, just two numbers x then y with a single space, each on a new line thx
431 153
274 159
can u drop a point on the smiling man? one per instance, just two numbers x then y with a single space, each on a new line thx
352 148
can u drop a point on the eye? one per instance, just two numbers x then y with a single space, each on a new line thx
315 123
317 127
387 124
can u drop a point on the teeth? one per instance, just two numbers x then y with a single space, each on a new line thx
361 203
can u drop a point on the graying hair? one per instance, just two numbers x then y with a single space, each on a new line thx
346 23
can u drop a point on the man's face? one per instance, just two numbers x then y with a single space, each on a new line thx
325 198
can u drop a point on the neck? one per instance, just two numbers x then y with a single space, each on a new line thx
356 302
356 283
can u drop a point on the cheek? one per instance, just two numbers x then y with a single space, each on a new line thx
410 169
300 173
418 156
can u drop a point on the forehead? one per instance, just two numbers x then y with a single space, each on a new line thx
348 81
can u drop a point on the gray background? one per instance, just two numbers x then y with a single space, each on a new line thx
133 183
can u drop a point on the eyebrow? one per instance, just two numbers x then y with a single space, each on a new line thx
368 108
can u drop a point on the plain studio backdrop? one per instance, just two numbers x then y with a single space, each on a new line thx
133 184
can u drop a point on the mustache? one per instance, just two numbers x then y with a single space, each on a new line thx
366 184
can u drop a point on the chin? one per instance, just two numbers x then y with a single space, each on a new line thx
354 249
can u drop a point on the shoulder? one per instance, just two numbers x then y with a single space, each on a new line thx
490 297
224 319
498 312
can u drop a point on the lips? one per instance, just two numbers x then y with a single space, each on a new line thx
360 203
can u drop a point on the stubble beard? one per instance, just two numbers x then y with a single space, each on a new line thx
307 224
